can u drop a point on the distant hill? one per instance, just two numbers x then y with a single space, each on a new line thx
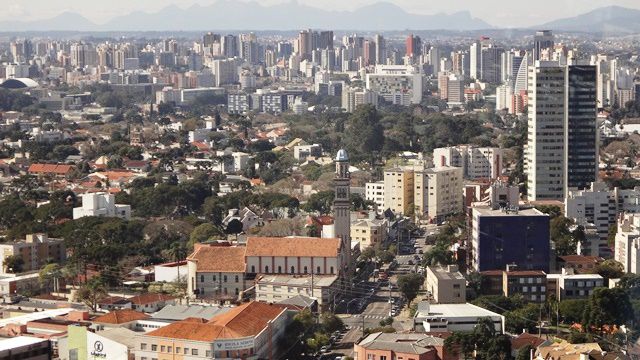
66 21
237 15
610 19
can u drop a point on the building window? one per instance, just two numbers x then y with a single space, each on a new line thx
186 351
331 270
208 353
253 269
225 278
214 278
266 269
237 292
162 348
237 278
154 347
305 269
318 270
201 278
169 349
143 346
194 352
293 269
279 269
178 350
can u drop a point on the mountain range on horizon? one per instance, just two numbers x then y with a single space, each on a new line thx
381 16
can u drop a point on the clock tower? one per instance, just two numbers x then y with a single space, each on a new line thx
341 209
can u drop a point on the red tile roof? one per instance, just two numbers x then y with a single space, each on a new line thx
120 317
57 169
243 321
524 339
150 298
230 259
293 246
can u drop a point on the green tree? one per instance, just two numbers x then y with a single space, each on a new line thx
631 283
204 232
330 322
438 255
234 227
521 319
92 292
563 238
320 202
524 353
409 285
607 307
49 275
364 134
609 269
571 311
13 264
484 340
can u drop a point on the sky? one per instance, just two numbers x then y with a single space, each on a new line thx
501 13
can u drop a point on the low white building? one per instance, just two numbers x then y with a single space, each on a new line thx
453 317
274 288
25 347
101 204
302 152
246 216
171 272
567 285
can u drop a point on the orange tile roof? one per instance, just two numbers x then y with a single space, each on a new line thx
293 246
220 259
525 339
149 298
121 317
200 146
50 169
242 321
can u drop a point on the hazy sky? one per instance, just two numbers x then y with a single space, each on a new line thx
505 13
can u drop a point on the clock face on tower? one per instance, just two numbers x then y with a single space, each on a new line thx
341 193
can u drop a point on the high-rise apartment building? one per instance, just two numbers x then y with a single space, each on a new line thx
581 128
414 46
543 40
381 49
562 145
229 45
398 190
627 243
326 40
476 162
437 192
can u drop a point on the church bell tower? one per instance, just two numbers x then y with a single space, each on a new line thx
341 209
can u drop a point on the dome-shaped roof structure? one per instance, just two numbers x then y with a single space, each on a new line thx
19 83
342 155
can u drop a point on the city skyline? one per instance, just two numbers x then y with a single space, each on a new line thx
495 12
